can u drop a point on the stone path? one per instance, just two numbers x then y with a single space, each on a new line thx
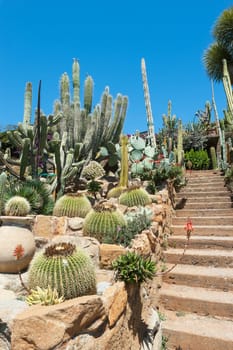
197 296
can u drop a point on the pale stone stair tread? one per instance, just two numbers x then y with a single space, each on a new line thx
202 270
201 252
203 238
206 226
197 293
199 332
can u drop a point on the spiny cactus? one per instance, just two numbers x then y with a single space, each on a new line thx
123 183
65 268
44 296
17 206
3 184
93 170
72 205
135 196
213 157
180 150
103 222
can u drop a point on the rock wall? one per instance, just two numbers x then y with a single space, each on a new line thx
119 317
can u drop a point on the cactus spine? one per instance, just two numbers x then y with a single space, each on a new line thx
150 122
180 151
3 184
135 196
65 268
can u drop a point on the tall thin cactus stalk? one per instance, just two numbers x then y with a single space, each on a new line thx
27 105
150 122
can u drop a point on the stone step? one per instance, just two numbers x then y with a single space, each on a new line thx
208 230
201 276
208 205
202 220
204 188
193 332
201 257
205 179
201 242
201 200
205 194
204 212
198 300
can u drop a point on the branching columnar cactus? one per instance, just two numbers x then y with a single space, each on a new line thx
104 222
135 196
72 205
17 206
65 268
87 130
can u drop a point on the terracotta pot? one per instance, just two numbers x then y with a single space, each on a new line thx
13 232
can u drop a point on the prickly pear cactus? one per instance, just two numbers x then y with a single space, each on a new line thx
135 196
65 268
103 222
17 206
72 205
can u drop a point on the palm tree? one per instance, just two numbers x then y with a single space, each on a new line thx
222 48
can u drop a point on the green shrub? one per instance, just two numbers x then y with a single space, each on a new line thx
133 268
199 159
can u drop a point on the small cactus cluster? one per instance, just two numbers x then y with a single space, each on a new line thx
72 205
104 221
135 196
17 206
65 268
44 296
93 170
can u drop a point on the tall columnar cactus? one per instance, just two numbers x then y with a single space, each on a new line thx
124 174
104 221
72 205
213 158
180 151
65 268
150 122
3 188
27 105
228 114
169 128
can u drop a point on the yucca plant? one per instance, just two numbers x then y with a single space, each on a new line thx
65 268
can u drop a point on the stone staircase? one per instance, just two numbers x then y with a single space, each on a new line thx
196 297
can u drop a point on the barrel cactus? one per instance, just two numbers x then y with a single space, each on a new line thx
17 206
104 222
93 170
65 268
135 196
72 205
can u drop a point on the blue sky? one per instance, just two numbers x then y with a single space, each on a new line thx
39 39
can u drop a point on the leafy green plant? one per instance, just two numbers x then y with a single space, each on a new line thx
199 159
164 342
133 268
93 187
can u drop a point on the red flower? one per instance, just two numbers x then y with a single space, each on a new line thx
19 251
189 227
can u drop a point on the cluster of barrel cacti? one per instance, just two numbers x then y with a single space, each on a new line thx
72 205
